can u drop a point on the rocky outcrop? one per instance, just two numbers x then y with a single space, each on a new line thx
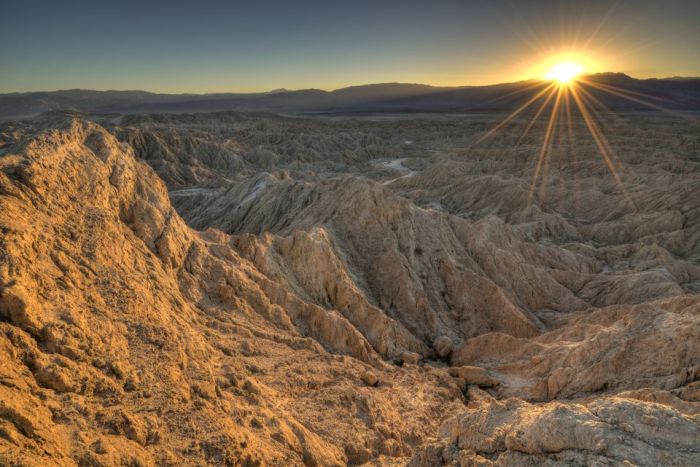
127 338
607 430
308 262
611 348
415 265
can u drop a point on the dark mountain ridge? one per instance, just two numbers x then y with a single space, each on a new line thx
672 93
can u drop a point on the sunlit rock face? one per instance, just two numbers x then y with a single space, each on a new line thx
246 288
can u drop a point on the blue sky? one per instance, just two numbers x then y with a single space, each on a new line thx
211 46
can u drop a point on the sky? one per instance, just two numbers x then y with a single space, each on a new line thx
244 46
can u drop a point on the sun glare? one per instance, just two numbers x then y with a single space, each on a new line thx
567 93
564 72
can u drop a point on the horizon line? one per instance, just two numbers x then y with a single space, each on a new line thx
330 90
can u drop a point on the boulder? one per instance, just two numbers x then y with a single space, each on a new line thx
443 346
370 378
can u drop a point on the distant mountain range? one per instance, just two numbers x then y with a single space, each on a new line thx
670 93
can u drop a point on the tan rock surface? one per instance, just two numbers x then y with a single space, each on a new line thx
608 430
128 339
340 305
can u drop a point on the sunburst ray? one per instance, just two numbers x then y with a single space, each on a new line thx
601 141
545 145
514 114
535 117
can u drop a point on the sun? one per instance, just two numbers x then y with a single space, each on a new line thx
564 72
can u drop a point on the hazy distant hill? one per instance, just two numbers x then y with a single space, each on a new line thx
673 93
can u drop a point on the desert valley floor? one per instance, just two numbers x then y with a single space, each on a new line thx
255 289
